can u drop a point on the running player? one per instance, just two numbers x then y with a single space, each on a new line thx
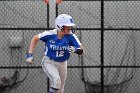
59 43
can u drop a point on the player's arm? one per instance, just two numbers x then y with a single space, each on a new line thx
41 36
33 43
79 50
29 55
76 45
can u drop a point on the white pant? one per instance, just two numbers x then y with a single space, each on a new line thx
56 71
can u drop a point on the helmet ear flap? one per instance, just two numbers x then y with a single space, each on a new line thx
60 28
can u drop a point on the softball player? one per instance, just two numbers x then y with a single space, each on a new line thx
59 43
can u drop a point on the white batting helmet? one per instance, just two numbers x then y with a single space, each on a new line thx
63 20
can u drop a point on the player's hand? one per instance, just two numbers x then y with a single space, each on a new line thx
72 49
29 58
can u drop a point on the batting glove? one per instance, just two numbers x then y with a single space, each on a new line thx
29 57
72 49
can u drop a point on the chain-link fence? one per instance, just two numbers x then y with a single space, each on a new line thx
108 30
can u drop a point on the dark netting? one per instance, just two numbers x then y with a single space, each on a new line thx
13 55
91 43
25 81
23 13
14 45
120 50
121 14
86 14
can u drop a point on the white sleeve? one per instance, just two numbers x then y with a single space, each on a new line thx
77 39
45 33
54 31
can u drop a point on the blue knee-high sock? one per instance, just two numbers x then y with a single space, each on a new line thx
53 90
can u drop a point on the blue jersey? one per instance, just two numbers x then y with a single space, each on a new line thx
57 49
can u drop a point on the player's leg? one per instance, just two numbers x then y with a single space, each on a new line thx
52 72
63 74
53 75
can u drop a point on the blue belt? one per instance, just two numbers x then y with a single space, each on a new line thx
55 60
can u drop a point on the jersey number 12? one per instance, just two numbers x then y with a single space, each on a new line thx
59 53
